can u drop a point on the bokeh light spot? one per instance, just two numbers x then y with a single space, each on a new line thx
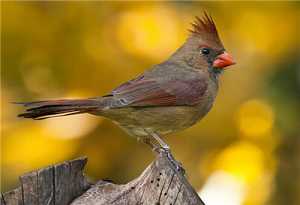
228 189
242 160
255 118
69 127
154 33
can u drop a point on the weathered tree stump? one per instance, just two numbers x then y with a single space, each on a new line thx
65 184
54 185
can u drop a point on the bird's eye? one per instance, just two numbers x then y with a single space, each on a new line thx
205 51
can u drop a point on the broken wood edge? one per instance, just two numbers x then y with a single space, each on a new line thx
54 185
160 183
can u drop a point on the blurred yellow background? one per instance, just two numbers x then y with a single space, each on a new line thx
245 152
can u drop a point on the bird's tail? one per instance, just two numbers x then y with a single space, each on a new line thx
39 110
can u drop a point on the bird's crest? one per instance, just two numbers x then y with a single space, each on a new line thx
205 27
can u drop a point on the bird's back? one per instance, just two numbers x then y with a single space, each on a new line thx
194 93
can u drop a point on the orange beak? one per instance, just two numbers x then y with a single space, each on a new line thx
223 60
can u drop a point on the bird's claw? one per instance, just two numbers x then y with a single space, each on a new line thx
176 164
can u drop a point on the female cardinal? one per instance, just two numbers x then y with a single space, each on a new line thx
170 96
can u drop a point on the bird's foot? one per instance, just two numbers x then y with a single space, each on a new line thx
163 148
167 151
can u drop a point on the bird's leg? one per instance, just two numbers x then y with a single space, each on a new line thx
147 141
164 147
162 143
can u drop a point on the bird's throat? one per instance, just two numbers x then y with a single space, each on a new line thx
215 71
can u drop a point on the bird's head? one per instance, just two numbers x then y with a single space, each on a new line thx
204 49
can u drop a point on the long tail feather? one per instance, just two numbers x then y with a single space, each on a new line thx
55 108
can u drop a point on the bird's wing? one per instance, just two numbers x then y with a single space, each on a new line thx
144 91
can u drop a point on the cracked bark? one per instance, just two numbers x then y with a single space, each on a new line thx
62 184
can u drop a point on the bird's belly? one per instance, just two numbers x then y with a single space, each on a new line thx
163 120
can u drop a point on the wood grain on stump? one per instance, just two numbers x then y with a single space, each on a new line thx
54 185
64 184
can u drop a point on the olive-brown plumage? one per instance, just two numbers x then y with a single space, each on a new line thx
169 97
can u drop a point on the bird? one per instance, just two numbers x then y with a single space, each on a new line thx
168 97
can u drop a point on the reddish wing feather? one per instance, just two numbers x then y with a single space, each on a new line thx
149 92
